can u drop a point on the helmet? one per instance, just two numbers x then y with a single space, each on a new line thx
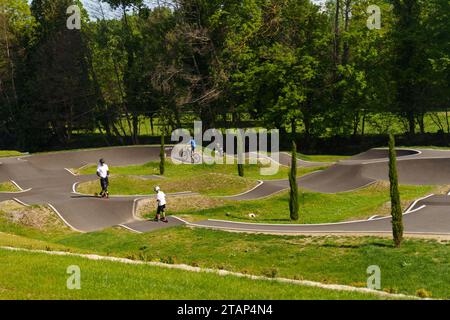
157 189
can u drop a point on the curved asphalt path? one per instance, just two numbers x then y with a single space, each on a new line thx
415 167
46 181
429 216
51 184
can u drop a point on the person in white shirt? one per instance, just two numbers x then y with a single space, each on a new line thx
161 200
103 174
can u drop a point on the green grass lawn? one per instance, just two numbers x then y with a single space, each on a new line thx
208 184
418 266
41 276
314 207
8 187
193 171
319 157
322 158
9 153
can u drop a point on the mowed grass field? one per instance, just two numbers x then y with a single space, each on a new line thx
41 276
9 153
8 187
420 267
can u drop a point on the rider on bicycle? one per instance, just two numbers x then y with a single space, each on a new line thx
193 145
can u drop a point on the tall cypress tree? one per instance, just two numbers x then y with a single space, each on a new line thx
240 152
293 195
396 208
162 156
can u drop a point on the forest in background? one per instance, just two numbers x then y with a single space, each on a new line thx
316 72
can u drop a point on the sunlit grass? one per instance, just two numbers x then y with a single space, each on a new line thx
208 184
8 187
9 153
314 207
41 276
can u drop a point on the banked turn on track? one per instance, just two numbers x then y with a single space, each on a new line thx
45 180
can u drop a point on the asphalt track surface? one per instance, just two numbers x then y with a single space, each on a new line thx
45 180
429 216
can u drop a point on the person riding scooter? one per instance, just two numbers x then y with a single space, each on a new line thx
103 174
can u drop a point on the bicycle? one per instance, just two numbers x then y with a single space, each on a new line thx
188 155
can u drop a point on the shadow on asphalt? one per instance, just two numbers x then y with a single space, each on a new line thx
78 197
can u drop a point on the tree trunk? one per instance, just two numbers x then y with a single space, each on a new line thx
346 52
11 62
135 132
356 121
336 53
446 118
411 123
152 125
363 124
421 122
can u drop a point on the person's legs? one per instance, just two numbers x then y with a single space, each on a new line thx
163 211
102 185
158 213
106 187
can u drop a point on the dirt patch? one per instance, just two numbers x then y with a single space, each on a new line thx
38 217
10 205
442 189
385 209
179 204
380 186
4 290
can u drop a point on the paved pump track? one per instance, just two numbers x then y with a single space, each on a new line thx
51 183
46 179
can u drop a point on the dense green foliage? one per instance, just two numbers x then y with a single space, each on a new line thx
288 64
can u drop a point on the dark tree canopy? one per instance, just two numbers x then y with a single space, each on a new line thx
312 72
